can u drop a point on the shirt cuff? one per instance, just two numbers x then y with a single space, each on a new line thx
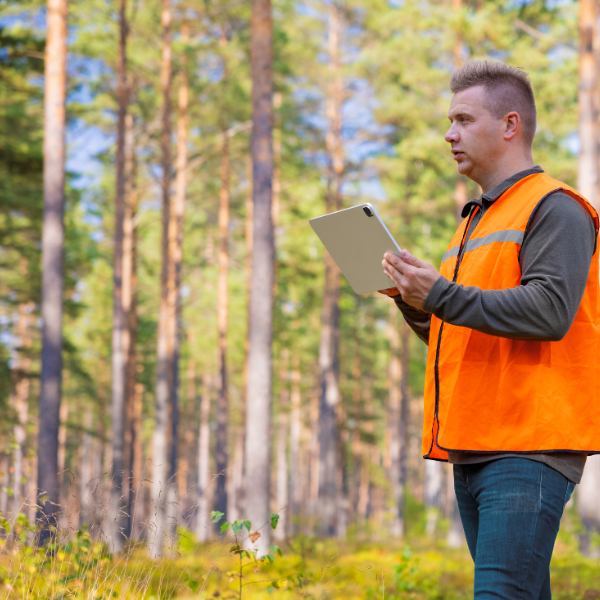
436 295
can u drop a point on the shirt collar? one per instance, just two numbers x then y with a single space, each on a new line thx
497 191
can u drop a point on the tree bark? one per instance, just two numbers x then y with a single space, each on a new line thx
164 346
588 159
52 260
21 402
258 412
221 450
393 420
329 344
130 282
120 335
296 482
203 527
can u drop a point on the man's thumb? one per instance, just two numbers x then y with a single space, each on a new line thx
409 259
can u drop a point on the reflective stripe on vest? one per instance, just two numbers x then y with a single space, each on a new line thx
485 393
507 235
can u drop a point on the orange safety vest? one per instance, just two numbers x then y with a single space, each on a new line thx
485 393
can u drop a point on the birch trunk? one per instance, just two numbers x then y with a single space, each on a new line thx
404 424
86 485
164 347
203 526
120 332
258 411
329 344
52 260
222 320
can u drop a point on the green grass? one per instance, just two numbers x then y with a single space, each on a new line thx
416 568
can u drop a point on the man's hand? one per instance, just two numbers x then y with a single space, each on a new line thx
413 277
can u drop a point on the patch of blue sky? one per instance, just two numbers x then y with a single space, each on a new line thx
571 143
308 10
553 4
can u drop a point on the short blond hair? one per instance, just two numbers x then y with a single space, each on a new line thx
508 89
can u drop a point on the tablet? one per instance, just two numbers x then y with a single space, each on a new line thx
356 238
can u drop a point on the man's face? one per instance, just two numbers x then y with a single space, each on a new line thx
475 136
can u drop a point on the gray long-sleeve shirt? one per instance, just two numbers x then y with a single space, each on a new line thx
555 260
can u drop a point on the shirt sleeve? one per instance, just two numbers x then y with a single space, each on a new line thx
555 262
418 320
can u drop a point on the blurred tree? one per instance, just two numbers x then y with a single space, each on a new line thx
52 260
258 409
164 371
120 339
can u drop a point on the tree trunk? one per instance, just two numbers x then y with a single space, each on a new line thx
258 412
164 347
62 456
296 482
588 165
203 527
329 345
222 320
587 183
314 450
175 269
404 423
282 481
130 283
21 402
393 420
52 260
120 334
86 485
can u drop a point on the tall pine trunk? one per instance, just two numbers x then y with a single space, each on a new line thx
221 451
52 260
393 420
21 402
164 345
120 334
258 411
130 309
329 344
296 482
203 526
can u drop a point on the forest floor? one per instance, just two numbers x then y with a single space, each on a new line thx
416 568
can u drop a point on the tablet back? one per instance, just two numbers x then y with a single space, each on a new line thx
357 243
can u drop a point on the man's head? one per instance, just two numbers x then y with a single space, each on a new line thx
493 118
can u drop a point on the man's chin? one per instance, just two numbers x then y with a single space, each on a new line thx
464 167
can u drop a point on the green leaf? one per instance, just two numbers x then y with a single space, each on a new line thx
274 520
279 552
247 524
237 526
216 516
275 584
224 526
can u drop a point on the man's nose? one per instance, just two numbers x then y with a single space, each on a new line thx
452 135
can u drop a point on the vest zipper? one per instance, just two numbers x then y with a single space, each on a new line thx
436 368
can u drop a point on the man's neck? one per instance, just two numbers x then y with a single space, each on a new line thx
501 172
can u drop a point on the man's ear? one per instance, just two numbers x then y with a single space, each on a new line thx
513 124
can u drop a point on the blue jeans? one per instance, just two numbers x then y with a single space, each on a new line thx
510 509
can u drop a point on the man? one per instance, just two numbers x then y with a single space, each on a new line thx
512 321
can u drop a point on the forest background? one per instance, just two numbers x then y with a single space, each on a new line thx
170 406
